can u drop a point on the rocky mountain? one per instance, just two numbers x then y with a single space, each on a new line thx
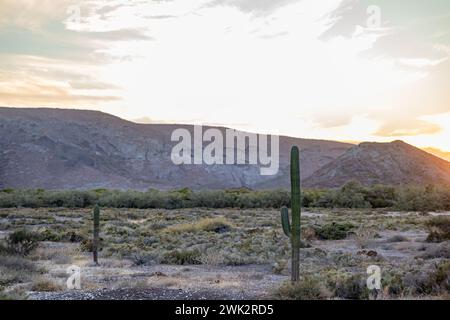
392 163
73 149
78 149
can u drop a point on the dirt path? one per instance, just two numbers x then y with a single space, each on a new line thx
143 294
164 282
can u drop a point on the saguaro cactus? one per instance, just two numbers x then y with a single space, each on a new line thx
292 230
95 241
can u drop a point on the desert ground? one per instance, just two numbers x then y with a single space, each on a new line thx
226 254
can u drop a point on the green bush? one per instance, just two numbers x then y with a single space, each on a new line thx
439 228
352 287
20 242
333 231
182 257
308 288
350 195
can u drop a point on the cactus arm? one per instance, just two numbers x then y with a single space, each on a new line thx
285 221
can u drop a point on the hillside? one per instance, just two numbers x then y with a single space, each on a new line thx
392 163
67 149
78 149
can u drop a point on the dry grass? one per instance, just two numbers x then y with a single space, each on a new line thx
46 285
136 241
208 224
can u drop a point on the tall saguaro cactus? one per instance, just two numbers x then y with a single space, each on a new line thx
95 241
292 230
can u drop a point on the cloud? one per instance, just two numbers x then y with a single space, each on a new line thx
91 85
344 19
37 94
257 7
407 127
332 120
37 81
274 35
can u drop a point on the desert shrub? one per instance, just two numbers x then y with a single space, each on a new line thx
363 235
218 225
17 263
311 197
238 259
441 277
352 287
49 235
430 282
333 231
392 283
308 288
398 238
308 233
144 259
439 228
15 269
438 251
419 198
182 257
20 242
46 285
350 195
72 236
87 245
380 196
212 258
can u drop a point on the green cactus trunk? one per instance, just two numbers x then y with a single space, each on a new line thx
293 232
95 241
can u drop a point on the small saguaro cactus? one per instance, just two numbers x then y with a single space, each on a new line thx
292 230
95 241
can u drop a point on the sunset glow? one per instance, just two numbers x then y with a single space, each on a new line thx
311 69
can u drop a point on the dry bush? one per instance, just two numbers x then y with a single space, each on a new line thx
212 258
46 285
363 236
439 228
308 288
217 225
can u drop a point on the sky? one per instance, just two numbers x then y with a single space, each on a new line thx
343 70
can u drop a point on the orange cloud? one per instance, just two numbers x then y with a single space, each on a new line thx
413 127
438 152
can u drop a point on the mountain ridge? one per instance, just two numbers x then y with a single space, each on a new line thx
86 149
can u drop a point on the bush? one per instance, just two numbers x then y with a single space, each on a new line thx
144 259
218 225
45 285
393 284
20 242
333 231
353 287
439 228
430 282
350 195
308 288
87 245
428 198
182 257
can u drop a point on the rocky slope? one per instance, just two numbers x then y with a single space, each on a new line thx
74 149
66 149
392 163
